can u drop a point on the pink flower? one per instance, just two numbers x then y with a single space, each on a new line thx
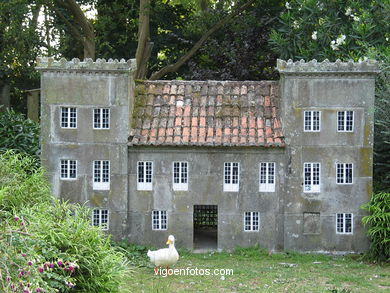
24 255
16 218
8 278
51 265
39 290
30 263
41 270
60 263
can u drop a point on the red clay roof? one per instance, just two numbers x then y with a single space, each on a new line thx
207 113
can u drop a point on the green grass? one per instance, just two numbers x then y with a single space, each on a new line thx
256 271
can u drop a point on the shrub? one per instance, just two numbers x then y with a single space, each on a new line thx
46 244
379 225
18 133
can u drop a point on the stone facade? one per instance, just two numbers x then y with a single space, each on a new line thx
205 125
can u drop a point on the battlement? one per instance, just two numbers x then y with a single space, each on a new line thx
101 65
326 67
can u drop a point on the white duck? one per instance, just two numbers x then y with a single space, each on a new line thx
165 256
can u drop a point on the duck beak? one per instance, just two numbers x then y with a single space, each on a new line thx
169 241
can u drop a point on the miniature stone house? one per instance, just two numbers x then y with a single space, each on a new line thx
284 164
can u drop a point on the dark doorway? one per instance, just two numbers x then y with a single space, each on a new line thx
205 227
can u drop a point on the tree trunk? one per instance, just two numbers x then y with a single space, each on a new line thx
83 31
182 60
144 47
5 100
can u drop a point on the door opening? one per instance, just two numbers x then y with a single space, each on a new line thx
205 227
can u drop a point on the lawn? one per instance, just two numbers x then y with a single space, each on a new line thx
256 271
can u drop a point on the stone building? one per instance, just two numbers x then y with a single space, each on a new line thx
284 164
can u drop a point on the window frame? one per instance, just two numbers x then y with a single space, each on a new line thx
101 124
68 169
315 188
344 168
100 185
146 186
180 186
251 223
344 126
344 226
311 121
159 219
231 187
68 117
104 226
267 187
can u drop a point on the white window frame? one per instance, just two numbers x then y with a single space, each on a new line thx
183 180
344 222
101 125
312 188
251 222
97 218
159 225
269 176
311 126
343 167
98 182
68 118
68 164
230 186
344 122
143 185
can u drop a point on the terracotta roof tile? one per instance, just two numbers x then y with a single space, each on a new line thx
213 113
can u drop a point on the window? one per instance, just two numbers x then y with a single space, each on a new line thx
345 121
344 223
311 175
267 177
251 221
101 175
145 175
159 220
344 173
68 117
180 176
312 121
231 177
100 218
68 169
101 118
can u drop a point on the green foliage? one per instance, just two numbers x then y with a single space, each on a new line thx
50 244
313 29
379 225
18 133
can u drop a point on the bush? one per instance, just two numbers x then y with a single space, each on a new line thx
18 133
379 225
46 244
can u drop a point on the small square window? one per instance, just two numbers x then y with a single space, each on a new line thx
344 173
311 177
144 175
345 121
180 176
251 221
68 117
231 177
267 177
101 118
159 220
100 218
312 121
68 169
344 223
101 175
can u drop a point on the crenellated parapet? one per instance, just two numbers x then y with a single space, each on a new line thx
325 67
100 65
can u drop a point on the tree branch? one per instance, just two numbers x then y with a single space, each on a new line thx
175 66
